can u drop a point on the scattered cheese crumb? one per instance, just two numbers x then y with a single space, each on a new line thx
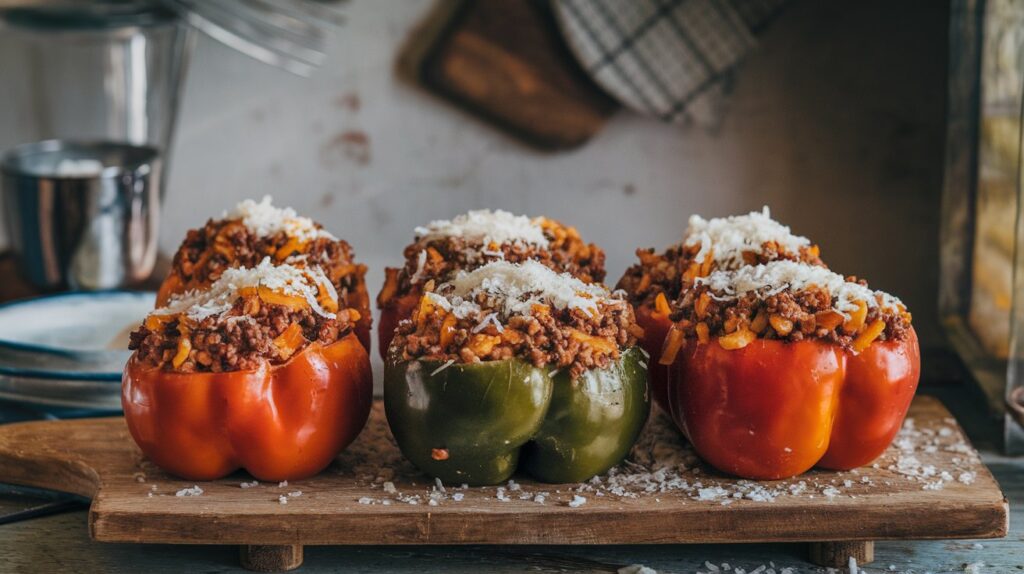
264 220
446 364
577 501
252 484
775 277
636 569
726 239
486 226
193 490
513 288
218 298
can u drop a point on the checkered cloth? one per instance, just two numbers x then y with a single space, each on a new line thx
665 58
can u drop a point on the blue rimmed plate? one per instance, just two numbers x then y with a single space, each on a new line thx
68 349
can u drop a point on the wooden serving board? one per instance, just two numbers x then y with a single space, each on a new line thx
929 485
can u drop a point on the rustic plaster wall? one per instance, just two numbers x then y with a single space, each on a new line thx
836 123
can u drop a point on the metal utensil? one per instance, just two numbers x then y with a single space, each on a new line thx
289 34
50 502
82 215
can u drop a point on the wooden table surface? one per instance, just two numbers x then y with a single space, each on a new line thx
61 543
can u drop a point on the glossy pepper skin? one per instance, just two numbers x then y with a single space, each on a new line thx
656 327
390 315
278 422
774 409
477 423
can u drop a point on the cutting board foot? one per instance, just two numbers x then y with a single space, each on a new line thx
838 554
260 558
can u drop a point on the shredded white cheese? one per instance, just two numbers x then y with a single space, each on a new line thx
511 289
222 294
421 260
487 227
263 220
447 364
727 238
778 276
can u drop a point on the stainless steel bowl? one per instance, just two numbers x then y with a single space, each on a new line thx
82 215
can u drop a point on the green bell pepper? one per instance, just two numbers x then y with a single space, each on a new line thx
477 423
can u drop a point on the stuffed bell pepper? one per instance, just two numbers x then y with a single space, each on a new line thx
778 367
261 371
516 366
474 239
709 244
252 231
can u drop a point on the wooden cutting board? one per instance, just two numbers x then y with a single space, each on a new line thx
905 497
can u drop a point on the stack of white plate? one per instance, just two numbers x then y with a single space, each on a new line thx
68 350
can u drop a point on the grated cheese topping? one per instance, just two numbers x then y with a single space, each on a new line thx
486 226
219 297
511 289
727 238
263 220
778 276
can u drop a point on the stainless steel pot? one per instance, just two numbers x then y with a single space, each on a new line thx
82 215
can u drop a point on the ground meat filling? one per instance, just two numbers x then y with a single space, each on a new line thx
546 337
789 316
250 333
675 269
222 244
565 253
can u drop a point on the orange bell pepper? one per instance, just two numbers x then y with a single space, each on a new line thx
278 422
775 409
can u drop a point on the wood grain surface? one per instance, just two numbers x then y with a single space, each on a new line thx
135 502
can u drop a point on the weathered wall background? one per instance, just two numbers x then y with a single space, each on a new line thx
836 123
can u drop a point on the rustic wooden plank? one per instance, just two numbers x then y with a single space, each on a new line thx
270 558
97 458
838 554
61 544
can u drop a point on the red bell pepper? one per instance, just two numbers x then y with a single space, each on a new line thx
278 422
391 314
775 409
656 325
